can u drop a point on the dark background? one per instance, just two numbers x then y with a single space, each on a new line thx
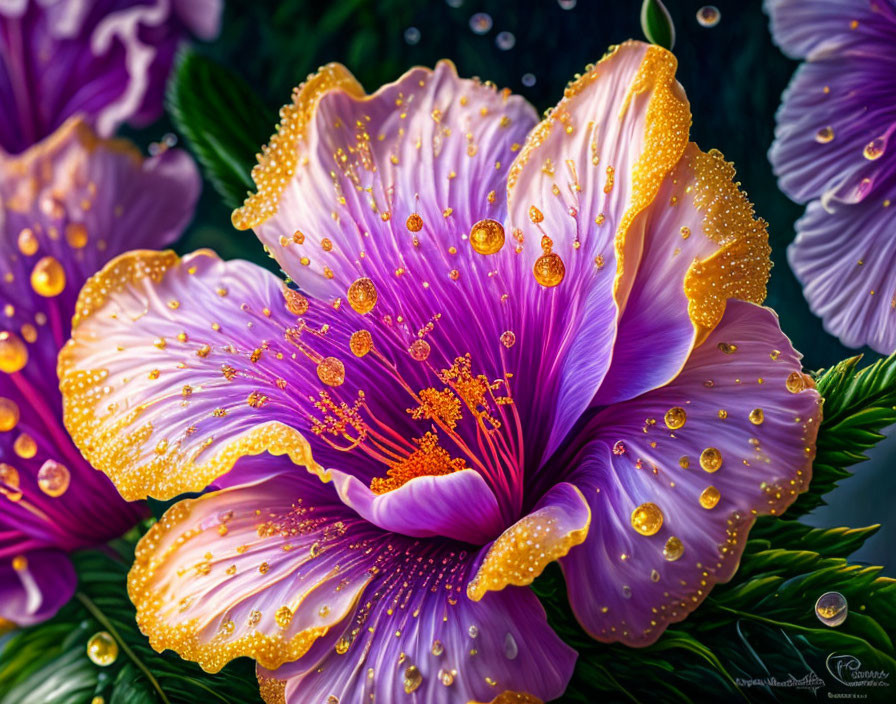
732 73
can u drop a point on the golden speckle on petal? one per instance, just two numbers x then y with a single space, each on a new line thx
508 339
414 222
419 350
360 343
549 270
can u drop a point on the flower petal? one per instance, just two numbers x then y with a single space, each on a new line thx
675 477
558 522
172 371
845 259
213 576
34 585
701 246
261 570
460 506
581 180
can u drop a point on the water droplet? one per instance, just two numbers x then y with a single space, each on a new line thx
481 23
76 235
647 519
535 215
446 677
676 418
709 497
53 478
360 343
727 348
342 645
362 295
419 350
708 16
505 41
673 549
549 270
757 416
795 382
28 242
874 149
831 609
283 616
437 647
528 80
102 649
508 339
654 576
711 459
331 371
9 482
511 649
9 415
626 591
473 631
567 4
454 3
487 237
824 135
48 277
25 446
13 353
412 35
296 303
413 678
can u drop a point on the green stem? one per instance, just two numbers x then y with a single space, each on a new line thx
107 624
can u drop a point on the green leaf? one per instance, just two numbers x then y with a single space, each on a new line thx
858 403
223 120
656 23
48 663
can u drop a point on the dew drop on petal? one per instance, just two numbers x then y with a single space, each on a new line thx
795 382
709 497
76 235
711 460
757 416
505 41
53 478
362 295
831 609
676 418
412 35
48 277
102 649
487 237
414 223
824 135
673 549
874 149
10 482
25 446
481 23
13 353
708 16
28 242
549 270
647 519
9 415
508 338
413 678
446 677
437 647
511 649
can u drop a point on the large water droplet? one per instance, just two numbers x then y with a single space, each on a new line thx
647 519
413 678
831 609
362 295
102 649
511 649
48 277
708 16
505 41
53 478
412 35
481 23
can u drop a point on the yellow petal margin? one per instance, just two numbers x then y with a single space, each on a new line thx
113 444
522 551
279 158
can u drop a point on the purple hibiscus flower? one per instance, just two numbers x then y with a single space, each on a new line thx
69 204
513 343
832 150
106 59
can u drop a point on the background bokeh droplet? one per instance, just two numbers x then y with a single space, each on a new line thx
102 649
505 41
567 4
708 16
412 35
831 609
481 23
528 80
